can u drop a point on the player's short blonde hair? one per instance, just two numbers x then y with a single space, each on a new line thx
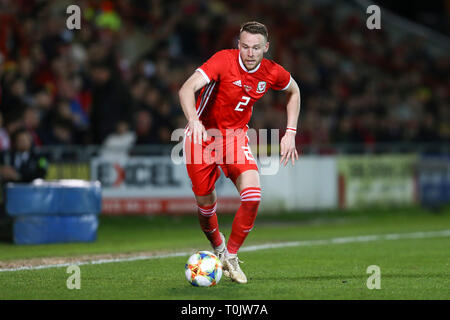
254 27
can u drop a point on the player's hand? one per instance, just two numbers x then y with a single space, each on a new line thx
288 150
198 131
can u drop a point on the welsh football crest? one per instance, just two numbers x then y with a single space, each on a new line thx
261 87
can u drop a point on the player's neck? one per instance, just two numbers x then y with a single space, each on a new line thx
241 63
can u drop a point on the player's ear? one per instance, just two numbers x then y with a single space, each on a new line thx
266 47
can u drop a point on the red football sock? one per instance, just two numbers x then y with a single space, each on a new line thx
209 224
245 218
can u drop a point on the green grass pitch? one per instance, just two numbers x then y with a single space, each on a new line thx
411 268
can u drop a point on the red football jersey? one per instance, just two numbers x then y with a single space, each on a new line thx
226 102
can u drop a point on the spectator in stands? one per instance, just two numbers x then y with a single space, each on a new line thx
138 90
120 142
4 136
152 100
144 127
109 101
21 163
32 121
345 71
13 102
164 119
42 100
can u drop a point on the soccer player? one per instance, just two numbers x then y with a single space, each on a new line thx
231 81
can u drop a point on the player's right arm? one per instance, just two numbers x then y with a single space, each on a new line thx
187 100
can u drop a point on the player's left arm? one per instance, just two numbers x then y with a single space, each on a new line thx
287 144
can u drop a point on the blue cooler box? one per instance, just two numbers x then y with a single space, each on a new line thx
54 211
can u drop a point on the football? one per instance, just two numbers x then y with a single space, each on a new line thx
203 269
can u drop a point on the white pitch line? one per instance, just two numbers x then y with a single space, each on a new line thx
305 243
368 238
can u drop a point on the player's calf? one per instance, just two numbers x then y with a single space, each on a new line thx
245 218
242 224
209 224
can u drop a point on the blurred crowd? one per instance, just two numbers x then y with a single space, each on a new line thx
115 81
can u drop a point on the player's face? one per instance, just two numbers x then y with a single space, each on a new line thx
252 48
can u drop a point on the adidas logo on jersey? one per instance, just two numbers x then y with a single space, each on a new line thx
238 83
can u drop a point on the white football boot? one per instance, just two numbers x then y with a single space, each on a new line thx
221 252
232 265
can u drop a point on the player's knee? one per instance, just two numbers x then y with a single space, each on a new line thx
207 200
207 210
251 196
206 204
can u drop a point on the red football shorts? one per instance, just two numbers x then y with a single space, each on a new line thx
230 152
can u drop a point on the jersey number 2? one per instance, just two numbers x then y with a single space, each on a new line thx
242 103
